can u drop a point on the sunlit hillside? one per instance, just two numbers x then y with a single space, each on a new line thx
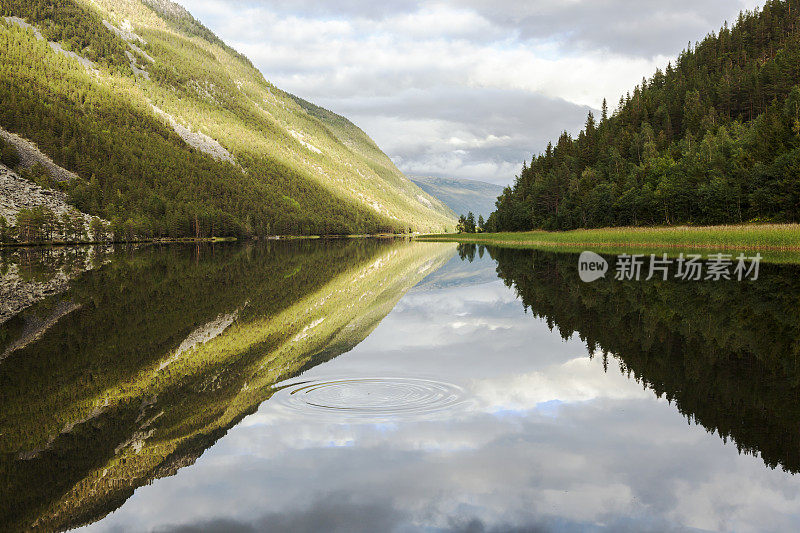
172 132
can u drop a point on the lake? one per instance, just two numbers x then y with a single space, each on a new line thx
387 385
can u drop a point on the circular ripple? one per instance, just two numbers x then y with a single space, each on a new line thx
372 398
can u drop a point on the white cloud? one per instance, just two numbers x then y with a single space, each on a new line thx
367 60
576 380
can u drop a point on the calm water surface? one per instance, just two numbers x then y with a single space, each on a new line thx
391 386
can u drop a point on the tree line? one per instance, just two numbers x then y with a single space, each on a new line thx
712 139
41 224
467 224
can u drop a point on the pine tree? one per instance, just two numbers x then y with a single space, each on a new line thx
470 223
5 234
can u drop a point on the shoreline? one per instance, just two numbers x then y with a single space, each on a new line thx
766 237
61 244
777 243
620 245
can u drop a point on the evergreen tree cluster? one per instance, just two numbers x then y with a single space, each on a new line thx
41 224
75 28
467 224
713 139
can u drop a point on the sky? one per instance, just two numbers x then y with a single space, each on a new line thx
462 88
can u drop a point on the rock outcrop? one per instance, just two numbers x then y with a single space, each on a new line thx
199 140
30 156
17 193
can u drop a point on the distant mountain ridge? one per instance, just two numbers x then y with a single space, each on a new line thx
462 195
173 133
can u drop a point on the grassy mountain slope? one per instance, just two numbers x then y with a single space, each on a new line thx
712 139
462 196
174 133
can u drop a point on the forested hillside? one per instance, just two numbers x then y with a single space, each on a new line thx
173 133
712 139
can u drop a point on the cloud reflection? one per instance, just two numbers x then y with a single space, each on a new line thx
551 443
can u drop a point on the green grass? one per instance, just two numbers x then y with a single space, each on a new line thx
778 242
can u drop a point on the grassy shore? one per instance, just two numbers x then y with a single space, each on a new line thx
780 239
743 237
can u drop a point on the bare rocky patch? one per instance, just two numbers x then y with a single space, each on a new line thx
199 140
30 156
131 39
138 72
17 193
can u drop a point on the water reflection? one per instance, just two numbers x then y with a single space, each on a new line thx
372 399
726 354
475 405
163 350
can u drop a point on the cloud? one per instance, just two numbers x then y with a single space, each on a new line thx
466 131
467 88
333 513
638 29
323 9
577 380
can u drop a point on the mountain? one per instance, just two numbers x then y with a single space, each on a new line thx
462 196
713 139
173 133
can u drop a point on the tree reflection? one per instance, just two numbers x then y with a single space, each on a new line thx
725 353
143 363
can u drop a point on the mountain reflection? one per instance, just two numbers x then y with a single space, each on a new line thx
726 354
132 370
